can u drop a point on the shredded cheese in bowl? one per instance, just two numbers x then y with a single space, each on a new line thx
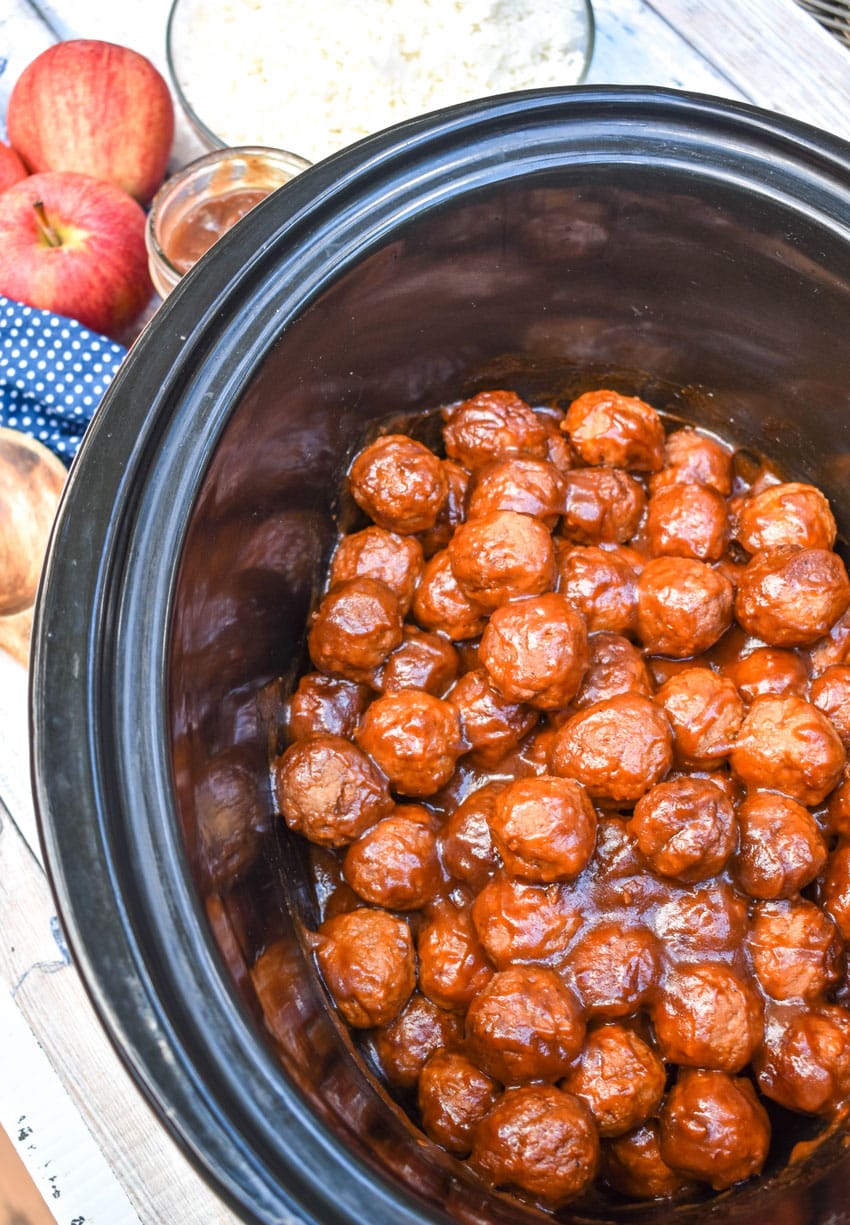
315 77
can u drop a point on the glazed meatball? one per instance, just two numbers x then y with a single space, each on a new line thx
837 815
617 749
833 648
713 1128
830 692
354 629
492 425
804 1063
420 1029
699 921
791 514
795 949
540 1140
530 486
453 1097
692 458
708 1016
544 828
453 967
633 1165
683 606
705 713
326 704
535 651
768 670
399 483
685 829
614 666
616 969
687 521
558 449
395 863
619 1077
601 585
835 887
415 738
788 745
781 849
453 512
423 661
524 1025
329 791
440 605
467 846
517 922
601 504
501 556
790 597
615 430
394 560
366 959
492 725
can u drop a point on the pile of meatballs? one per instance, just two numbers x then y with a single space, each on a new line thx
572 764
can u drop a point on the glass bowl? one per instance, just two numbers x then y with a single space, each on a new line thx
318 77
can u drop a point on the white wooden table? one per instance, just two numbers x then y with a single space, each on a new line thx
79 1123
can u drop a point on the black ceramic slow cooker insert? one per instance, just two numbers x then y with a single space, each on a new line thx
688 250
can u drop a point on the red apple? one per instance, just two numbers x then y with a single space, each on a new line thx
12 169
95 108
75 245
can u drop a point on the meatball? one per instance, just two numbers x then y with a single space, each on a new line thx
687 521
492 425
453 967
453 512
399 483
786 744
439 603
708 1016
796 950
524 1025
501 556
683 606
804 1063
768 670
714 1128
685 828
453 1097
830 692
328 704
601 585
530 486
535 651
517 922
633 1165
492 725
705 713
540 1140
616 969
617 749
544 828
618 431
614 666
619 1077
394 560
699 921
329 791
366 959
354 628
791 514
790 597
421 1029
781 848
692 458
423 661
395 863
601 504
835 887
415 738
468 851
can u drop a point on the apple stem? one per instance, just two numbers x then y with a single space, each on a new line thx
47 231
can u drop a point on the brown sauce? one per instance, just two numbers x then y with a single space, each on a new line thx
206 221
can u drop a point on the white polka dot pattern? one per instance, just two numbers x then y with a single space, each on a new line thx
53 372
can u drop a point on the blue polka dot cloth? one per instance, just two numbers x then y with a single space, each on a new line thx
53 372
